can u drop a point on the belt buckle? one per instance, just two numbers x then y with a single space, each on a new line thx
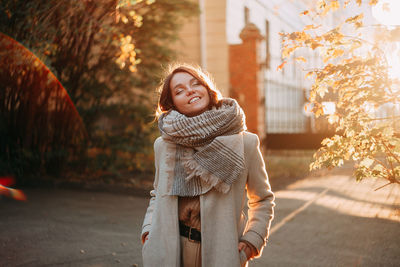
190 234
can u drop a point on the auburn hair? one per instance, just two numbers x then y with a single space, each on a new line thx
165 102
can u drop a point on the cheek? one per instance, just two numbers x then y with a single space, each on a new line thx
178 102
208 98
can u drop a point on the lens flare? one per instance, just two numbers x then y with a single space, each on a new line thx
27 73
38 118
5 183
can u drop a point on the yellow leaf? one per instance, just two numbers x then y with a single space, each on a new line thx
128 38
335 5
355 44
318 111
281 66
321 4
309 74
308 27
304 12
301 59
315 45
337 53
379 168
327 142
132 68
287 51
367 162
333 118
124 19
355 18
127 48
373 2
359 2
297 36
322 91
313 95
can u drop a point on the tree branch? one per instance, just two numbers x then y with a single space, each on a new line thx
383 186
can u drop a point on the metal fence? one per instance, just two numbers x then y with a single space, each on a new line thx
284 108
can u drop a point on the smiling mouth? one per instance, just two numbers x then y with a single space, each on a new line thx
194 99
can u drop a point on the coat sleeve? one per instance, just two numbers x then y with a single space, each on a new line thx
260 201
153 193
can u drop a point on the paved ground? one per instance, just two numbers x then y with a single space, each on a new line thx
320 221
335 221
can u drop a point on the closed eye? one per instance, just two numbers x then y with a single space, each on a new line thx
196 83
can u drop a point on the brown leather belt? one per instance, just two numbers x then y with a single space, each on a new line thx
191 233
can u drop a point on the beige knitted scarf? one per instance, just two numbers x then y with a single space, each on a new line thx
209 148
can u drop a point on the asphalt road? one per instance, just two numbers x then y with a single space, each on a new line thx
319 222
71 228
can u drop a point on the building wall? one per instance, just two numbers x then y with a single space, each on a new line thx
188 45
244 81
217 45
216 48
281 90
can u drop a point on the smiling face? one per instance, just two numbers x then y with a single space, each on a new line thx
189 96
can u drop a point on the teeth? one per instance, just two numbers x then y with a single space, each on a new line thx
194 99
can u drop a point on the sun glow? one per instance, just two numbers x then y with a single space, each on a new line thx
387 12
394 61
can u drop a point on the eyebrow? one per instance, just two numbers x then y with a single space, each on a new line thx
179 84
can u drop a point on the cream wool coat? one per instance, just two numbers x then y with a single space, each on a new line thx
223 222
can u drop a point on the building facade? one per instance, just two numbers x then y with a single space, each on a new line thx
239 43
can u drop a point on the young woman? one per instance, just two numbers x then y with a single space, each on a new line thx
205 160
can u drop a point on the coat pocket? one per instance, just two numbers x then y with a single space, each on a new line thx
243 258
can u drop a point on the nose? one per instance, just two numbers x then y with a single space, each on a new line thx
190 90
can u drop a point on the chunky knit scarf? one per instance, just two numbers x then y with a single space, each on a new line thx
209 148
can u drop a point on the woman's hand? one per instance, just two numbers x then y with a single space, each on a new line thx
248 249
145 237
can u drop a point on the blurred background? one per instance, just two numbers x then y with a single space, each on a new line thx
79 78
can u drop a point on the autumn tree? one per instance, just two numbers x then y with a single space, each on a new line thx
355 69
107 54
